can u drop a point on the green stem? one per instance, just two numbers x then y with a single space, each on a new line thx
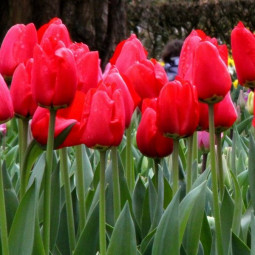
189 165
156 169
23 129
175 170
116 184
204 161
3 221
80 187
102 229
220 166
129 158
214 182
47 181
195 155
68 197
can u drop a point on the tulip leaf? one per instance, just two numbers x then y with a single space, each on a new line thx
123 239
38 248
238 246
63 135
206 236
166 240
243 124
252 235
251 169
88 242
21 238
187 204
147 243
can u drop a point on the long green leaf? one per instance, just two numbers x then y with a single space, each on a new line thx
123 240
21 237
251 169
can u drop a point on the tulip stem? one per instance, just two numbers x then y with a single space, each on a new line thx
220 166
102 229
3 221
23 129
129 159
195 154
68 197
214 182
175 170
189 165
47 181
80 187
156 169
116 183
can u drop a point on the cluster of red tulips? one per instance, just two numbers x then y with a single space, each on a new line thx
59 84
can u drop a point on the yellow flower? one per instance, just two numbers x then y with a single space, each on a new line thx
249 104
235 83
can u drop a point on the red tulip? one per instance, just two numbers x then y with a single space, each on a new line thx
178 111
55 32
150 140
151 103
104 117
225 115
54 75
6 107
88 66
114 81
147 77
204 63
243 50
21 93
17 47
64 118
127 53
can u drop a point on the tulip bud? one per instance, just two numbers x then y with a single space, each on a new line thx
250 102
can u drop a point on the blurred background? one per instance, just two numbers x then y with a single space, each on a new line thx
102 24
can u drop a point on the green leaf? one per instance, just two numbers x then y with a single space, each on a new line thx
62 136
243 124
252 235
187 204
123 240
147 243
21 238
238 246
166 240
88 242
194 225
38 248
206 236
251 169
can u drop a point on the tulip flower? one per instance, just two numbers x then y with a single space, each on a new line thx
21 92
114 81
204 63
127 53
203 141
71 115
243 50
147 77
150 140
104 117
6 107
54 75
178 111
225 115
250 103
17 47
88 66
54 32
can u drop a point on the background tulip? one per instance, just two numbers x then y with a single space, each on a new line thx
17 47
104 118
21 93
150 141
6 107
243 50
178 112
54 76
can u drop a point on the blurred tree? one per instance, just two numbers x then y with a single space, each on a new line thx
101 24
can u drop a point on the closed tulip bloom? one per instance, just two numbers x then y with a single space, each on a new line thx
150 141
17 47
54 76
114 81
127 53
210 73
104 118
204 63
178 111
203 141
6 107
225 115
147 77
21 92
243 50
71 115
88 66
